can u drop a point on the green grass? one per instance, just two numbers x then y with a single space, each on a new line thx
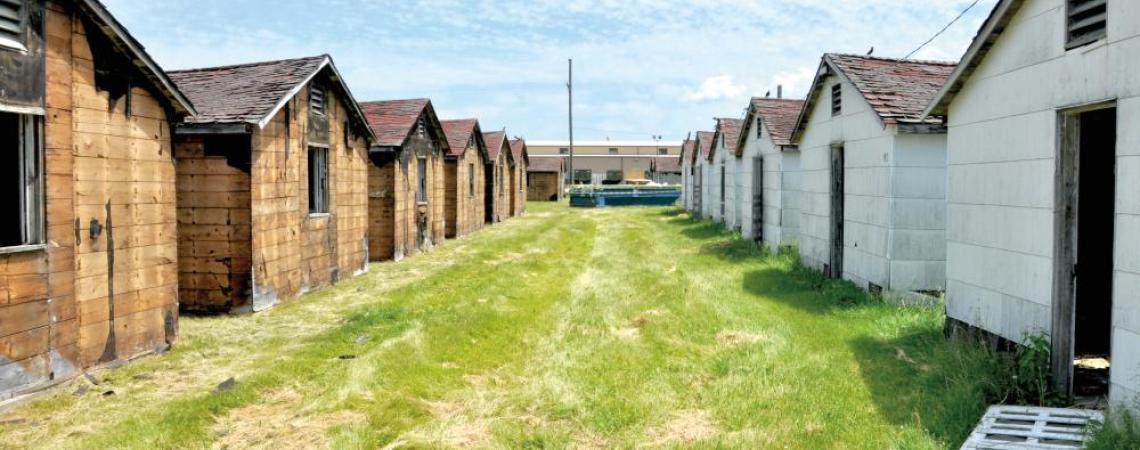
1120 433
614 328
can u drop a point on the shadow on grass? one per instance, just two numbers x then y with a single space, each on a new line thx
921 378
787 276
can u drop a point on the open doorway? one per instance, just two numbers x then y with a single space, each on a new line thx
1082 320
758 199
835 266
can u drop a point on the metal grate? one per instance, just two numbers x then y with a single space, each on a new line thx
836 99
12 23
759 128
316 98
1087 21
1019 427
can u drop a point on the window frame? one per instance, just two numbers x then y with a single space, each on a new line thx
613 151
317 91
564 150
32 203
471 180
421 180
318 180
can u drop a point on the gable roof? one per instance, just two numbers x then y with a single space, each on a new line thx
687 148
898 90
459 133
496 141
987 36
704 143
253 93
518 150
127 45
729 129
549 164
779 117
394 120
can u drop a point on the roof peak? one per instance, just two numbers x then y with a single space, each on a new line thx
399 100
251 64
898 60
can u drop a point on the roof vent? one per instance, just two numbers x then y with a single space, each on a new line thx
12 24
316 98
1086 21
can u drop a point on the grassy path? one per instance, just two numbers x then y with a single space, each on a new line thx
619 328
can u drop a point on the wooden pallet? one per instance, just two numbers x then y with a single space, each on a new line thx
1021 428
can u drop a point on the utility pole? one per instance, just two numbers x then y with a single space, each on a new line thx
570 109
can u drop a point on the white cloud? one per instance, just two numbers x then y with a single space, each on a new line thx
720 87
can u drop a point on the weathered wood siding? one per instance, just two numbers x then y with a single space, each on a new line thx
464 207
894 215
518 188
84 301
293 251
400 226
214 253
498 184
544 186
1002 162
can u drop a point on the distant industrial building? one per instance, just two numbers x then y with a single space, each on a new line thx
611 162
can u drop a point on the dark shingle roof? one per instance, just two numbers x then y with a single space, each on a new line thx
779 117
545 164
394 120
687 148
458 134
518 150
705 138
899 90
244 93
495 141
730 130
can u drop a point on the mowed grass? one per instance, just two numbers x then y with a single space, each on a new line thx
614 328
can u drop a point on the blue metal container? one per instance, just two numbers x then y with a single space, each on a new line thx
624 196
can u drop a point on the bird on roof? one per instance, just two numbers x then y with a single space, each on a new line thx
769 95
871 51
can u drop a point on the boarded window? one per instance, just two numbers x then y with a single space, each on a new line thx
318 180
836 99
13 21
22 199
317 99
1086 21
471 180
421 180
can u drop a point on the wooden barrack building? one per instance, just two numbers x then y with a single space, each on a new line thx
88 249
464 166
406 178
518 176
497 174
272 183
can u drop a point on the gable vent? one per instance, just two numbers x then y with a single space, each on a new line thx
12 23
1086 21
316 98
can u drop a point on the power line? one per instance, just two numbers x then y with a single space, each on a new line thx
943 30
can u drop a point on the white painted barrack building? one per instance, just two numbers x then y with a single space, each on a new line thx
769 174
1044 135
863 117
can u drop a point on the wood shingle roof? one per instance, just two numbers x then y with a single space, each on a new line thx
394 120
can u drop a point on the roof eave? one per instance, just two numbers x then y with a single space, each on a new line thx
992 28
177 99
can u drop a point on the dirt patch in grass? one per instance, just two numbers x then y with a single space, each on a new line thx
280 422
685 427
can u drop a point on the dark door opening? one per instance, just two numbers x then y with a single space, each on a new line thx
722 187
1094 228
697 191
489 194
835 266
758 199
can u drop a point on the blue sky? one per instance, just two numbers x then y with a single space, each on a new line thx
642 67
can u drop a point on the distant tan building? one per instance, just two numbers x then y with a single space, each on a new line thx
601 162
